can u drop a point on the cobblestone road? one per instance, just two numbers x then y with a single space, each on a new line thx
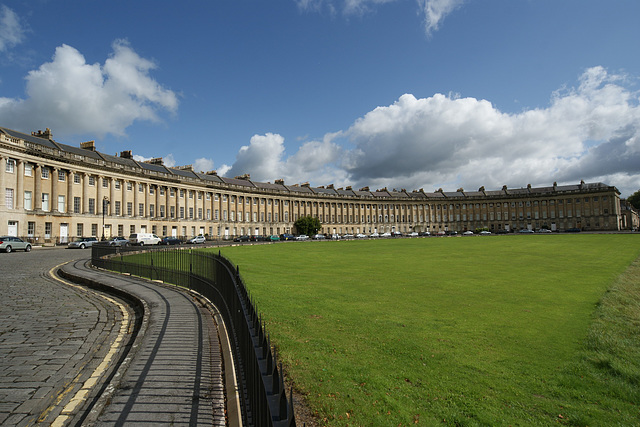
49 333
61 343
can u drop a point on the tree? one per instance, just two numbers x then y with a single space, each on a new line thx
634 199
307 225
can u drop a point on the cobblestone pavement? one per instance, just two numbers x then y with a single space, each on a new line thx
54 337
49 333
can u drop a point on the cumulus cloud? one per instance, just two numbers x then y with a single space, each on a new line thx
203 165
264 158
588 132
434 11
73 97
12 31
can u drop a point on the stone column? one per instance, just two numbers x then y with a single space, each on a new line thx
53 176
85 193
147 200
69 191
99 195
37 179
135 199
3 167
19 185
112 197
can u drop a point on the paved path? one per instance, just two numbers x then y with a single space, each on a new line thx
62 350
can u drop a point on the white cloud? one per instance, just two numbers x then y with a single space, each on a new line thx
588 132
11 29
169 160
434 11
203 165
264 159
73 97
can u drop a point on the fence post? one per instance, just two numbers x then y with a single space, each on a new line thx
190 267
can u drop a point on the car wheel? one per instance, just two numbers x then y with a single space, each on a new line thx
141 243
28 248
82 246
7 249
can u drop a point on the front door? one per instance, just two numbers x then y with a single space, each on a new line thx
13 228
64 233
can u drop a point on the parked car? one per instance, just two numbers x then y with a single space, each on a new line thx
169 240
502 231
573 230
451 233
319 237
413 234
287 237
360 236
242 239
387 234
468 233
396 234
347 236
302 237
424 233
485 233
118 241
142 239
10 243
374 235
526 231
335 237
82 242
544 230
197 240
273 238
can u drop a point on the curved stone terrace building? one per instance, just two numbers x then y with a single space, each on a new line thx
52 192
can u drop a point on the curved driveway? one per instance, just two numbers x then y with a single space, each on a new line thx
59 344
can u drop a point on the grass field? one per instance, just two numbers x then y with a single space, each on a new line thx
506 330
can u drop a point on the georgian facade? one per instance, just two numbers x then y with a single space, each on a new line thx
53 192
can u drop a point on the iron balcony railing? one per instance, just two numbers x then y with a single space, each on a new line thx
259 375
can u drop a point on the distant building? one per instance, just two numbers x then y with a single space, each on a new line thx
629 220
54 192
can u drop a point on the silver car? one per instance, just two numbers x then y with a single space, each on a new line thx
82 242
10 243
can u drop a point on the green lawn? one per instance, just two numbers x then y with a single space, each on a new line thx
507 330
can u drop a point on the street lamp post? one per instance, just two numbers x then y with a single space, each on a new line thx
105 203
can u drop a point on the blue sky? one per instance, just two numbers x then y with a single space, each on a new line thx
381 93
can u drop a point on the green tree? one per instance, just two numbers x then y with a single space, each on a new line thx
307 225
634 199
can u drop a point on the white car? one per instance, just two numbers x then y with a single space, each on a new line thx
302 237
468 233
197 240
387 234
485 233
360 236
414 234
374 235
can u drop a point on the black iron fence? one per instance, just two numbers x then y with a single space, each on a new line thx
260 379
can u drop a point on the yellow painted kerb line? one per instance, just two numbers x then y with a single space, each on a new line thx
81 395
